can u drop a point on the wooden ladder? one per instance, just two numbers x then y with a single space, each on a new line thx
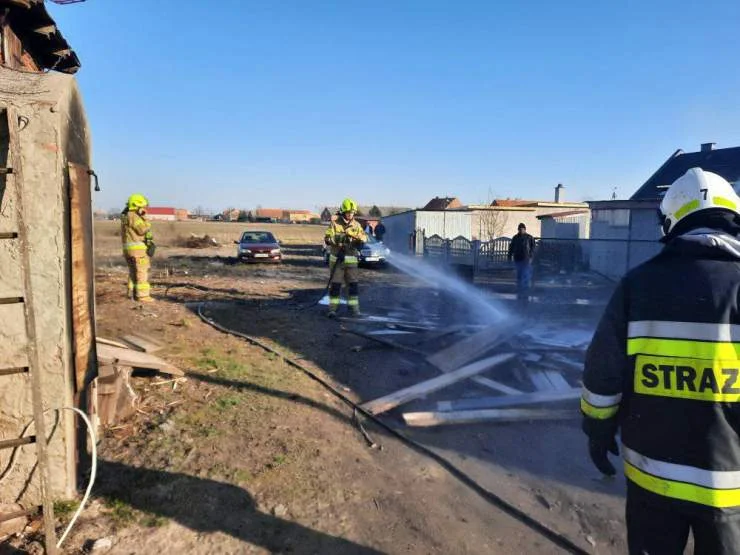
14 171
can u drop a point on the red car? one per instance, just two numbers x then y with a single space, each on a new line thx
258 246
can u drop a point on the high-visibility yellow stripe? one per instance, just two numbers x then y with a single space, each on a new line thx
599 413
686 208
353 302
718 498
722 201
685 348
350 260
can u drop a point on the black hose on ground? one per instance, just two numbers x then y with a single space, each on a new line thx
555 537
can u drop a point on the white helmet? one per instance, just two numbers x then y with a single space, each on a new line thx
694 191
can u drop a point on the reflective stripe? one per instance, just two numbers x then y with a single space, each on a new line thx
353 301
722 201
716 479
598 413
686 208
348 260
684 330
717 498
142 287
683 348
134 246
596 400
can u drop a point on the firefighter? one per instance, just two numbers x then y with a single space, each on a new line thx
344 238
664 368
138 246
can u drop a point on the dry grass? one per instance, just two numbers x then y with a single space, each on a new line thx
171 234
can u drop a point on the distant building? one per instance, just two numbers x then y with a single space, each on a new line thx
230 215
443 203
182 214
473 222
162 214
269 215
298 216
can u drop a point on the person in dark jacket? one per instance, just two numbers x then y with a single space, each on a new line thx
664 369
379 230
521 249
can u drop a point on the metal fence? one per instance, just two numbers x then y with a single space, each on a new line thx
609 257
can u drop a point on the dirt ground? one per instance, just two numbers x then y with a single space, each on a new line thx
249 455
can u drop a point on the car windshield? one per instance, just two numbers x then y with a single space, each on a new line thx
371 239
258 237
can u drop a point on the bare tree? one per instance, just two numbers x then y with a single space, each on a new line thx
492 223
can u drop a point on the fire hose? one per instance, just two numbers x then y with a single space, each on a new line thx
554 536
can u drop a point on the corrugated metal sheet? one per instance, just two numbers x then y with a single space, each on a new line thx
446 224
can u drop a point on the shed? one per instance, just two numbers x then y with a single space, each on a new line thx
47 301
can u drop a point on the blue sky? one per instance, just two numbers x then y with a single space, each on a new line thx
298 103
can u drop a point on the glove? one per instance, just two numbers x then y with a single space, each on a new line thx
150 249
340 256
339 239
598 449
601 440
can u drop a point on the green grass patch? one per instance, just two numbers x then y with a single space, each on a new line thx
65 509
121 512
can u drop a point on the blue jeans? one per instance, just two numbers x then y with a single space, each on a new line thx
523 279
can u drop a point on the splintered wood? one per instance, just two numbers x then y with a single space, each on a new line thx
108 354
388 402
540 364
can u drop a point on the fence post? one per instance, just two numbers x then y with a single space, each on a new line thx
475 246
447 249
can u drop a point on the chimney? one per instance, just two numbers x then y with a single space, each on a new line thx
707 147
558 192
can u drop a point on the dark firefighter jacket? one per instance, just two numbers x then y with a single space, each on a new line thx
664 366
521 247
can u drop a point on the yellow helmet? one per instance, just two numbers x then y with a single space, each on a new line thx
137 201
348 205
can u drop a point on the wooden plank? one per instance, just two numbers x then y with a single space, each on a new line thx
83 295
107 354
110 342
142 343
407 394
557 380
504 401
426 419
37 399
540 380
473 346
496 386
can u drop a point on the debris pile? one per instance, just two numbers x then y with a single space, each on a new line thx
200 241
533 371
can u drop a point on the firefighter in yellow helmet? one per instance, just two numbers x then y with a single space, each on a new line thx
138 246
344 238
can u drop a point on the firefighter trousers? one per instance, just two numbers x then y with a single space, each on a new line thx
656 530
138 277
349 274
